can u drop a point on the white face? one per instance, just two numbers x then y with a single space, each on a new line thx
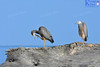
34 35
79 22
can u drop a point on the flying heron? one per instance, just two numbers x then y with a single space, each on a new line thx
82 30
44 34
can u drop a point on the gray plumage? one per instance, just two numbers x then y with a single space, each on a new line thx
44 33
83 32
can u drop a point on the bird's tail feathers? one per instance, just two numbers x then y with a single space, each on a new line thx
52 41
85 39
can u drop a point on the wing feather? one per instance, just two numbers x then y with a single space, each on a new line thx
45 33
85 30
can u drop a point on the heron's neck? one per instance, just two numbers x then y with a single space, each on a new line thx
36 31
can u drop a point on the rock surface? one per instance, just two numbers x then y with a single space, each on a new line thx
69 55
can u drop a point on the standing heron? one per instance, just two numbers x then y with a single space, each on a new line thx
82 29
44 33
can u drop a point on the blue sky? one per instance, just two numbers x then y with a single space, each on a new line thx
18 18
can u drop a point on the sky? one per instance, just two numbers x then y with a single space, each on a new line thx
18 18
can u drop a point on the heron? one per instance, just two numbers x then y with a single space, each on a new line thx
82 30
44 34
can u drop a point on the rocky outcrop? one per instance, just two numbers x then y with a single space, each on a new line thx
69 55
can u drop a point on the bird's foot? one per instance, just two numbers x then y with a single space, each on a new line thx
83 43
80 42
43 47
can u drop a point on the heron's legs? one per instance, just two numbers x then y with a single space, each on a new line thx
44 41
84 42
